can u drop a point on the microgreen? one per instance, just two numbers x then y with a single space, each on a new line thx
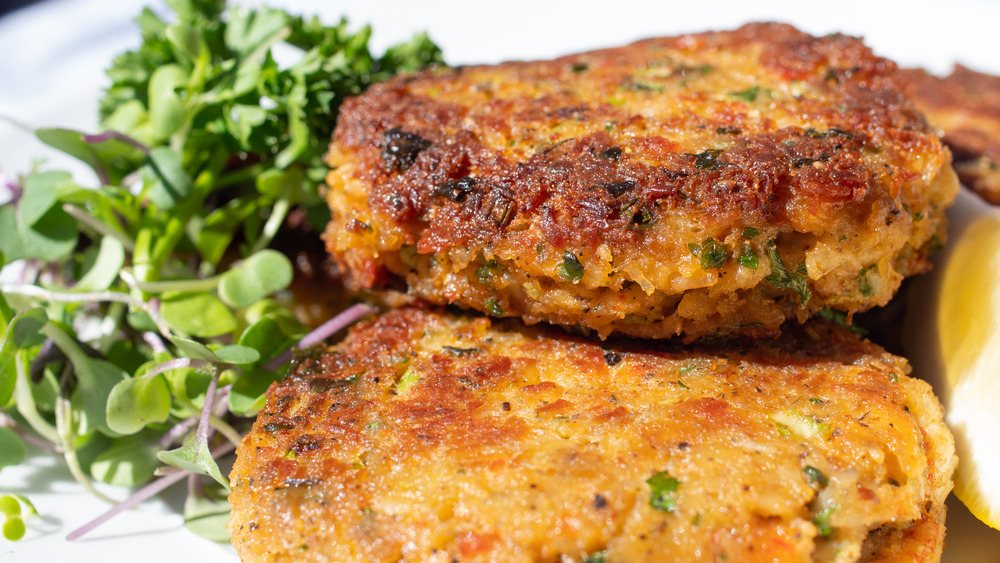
153 312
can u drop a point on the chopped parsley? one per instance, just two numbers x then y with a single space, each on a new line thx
822 521
661 488
486 271
493 307
864 281
840 318
712 254
708 159
748 257
748 95
816 476
596 557
783 278
570 268
410 376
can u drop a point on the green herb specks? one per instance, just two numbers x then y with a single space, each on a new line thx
661 491
410 376
486 272
712 253
783 278
748 257
570 268
865 277
822 520
748 95
494 308
708 159
816 476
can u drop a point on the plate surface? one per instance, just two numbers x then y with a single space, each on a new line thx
52 75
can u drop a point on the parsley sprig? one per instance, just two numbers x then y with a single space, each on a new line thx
150 312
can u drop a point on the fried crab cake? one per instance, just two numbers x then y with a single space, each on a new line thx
704 184
431 437
966 106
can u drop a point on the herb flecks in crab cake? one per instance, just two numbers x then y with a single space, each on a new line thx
697 185
433 437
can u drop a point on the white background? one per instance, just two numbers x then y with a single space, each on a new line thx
52 57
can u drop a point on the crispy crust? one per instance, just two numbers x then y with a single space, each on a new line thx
584 190
432 437
965 105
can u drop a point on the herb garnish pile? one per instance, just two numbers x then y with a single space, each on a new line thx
150 312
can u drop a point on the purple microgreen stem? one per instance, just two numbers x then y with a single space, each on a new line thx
154 341
329 328
108 135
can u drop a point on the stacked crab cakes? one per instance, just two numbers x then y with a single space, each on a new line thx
688 202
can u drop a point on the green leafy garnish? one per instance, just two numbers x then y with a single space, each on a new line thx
661 491
156 298
783 278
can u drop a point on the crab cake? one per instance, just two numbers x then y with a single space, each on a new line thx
432 437
704 184
966 106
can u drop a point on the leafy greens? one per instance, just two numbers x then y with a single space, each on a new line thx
151 311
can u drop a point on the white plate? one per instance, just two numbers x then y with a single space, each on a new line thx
51 75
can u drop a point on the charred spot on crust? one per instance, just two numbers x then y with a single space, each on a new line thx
400 148
610 153
456 190
617 188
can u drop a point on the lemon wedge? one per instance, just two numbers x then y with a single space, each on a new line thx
952 334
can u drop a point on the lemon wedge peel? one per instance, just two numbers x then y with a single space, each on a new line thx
968 321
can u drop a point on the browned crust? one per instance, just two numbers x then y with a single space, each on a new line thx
519 445
611 155
965 105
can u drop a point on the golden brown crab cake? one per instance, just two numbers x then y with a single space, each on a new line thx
704 184
965 105
432 437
